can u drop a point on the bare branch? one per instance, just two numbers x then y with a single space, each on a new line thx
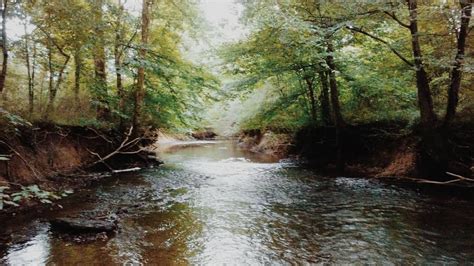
124 145
100 135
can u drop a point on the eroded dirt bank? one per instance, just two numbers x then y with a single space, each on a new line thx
58 158
374 150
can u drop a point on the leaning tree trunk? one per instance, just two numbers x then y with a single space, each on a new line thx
425 101
3 73
435 150
140 88
456 73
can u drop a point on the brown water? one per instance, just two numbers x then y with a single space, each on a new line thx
215 204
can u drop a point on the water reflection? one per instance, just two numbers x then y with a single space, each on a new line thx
216 204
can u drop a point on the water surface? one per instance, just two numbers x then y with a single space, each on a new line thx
215 204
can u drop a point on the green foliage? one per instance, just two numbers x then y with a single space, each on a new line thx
65 35
5 199
286 49
288 46
34 192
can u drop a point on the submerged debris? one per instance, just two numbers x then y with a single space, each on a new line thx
83 226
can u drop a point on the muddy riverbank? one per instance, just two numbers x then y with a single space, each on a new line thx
41 161
371 150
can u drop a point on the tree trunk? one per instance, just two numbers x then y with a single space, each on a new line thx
312 100
51 91
324 98
118 61
33 74
103 111
77 76
29 73
3 73
140 89
456 73
53 88
425 101
338 119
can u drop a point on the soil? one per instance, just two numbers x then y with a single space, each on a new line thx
59 158
392 149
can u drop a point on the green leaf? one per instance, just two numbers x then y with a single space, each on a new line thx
34 188
17 198
54 196
46 201
11 203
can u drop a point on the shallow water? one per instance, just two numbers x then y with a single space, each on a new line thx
215 204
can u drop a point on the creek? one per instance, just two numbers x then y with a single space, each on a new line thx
212 203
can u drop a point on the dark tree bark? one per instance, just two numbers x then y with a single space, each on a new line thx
324 98
425 101
33 75
77 75
30 73
427 115
338 119
118 60
140 88
456 73
3 73
312 100
51 91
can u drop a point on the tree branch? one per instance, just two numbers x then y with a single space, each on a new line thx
359 30
124 145
401 23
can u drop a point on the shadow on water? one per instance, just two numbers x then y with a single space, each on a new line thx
212 203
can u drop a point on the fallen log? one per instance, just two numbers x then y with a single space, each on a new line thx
83 226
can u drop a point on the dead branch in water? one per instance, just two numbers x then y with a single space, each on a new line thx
126 170
459 178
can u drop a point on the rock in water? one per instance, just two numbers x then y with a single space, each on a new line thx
83 226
